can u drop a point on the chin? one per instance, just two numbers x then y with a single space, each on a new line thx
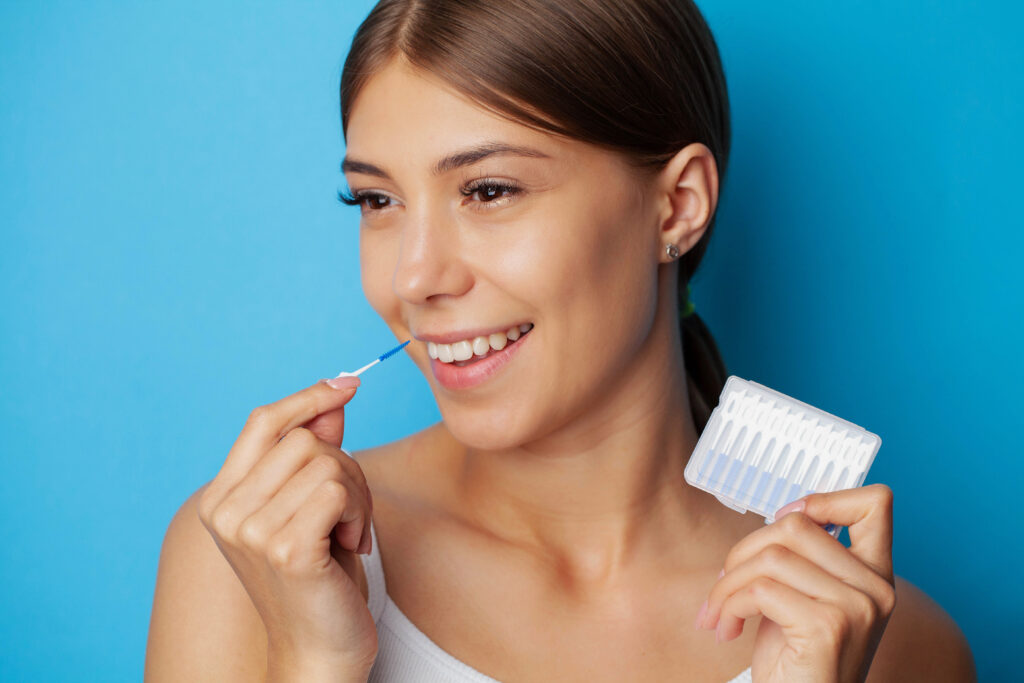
485 429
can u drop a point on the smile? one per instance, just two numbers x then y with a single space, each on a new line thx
467 351
467 363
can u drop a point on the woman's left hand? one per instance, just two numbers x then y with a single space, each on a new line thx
826 605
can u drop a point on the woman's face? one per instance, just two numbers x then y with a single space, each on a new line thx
452 254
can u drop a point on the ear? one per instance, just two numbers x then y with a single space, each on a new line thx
688 188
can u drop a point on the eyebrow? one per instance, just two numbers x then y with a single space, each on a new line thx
450 162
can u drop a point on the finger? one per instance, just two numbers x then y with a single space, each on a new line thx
256 530
867 512
329 426
330 505
803 536
268 423
806 623
265 479
780 564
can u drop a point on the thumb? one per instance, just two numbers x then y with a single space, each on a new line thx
867 513
329 426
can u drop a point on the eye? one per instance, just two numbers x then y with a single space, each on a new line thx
491 191
367 200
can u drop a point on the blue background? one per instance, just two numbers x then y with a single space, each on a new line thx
173 255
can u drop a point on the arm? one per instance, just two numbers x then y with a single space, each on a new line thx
203 625
921 643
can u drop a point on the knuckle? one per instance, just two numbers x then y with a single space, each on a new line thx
259 416
223 521
884 495
761 586
335 492
251 534
775 555
888 600
795 522
328 466
205 507
867 610
281 552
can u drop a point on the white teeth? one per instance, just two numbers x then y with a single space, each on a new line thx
480 346
463 350
497 341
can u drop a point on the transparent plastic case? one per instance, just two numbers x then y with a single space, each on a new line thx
762 449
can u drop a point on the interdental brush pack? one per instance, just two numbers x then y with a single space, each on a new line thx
762 449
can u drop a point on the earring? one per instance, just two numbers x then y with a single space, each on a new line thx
672 251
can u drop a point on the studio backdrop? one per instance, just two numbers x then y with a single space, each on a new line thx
173 254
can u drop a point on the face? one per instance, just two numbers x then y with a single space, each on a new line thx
556 235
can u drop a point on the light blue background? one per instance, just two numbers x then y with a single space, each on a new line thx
173 255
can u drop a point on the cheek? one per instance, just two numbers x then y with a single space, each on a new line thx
376 268
596 265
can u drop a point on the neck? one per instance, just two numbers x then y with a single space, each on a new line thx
607 489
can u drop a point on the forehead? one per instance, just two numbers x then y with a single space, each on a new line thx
404 113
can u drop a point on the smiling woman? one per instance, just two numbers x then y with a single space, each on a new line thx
537 183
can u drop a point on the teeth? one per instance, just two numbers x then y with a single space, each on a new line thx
463 350
498 341
480 346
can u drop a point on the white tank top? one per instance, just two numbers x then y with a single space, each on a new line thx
407 655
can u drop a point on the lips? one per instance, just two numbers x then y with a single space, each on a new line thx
461 375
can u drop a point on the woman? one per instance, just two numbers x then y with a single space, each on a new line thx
537 183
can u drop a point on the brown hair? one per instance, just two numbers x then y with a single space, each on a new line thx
640 77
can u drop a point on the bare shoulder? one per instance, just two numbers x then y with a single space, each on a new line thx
203 626
404 465
921 642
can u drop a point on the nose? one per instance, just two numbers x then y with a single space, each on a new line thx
429 261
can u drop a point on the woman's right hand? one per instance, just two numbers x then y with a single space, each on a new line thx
289 511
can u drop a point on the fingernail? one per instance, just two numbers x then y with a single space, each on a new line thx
795 506
699 624
341 382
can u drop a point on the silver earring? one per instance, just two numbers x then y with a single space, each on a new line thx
672 251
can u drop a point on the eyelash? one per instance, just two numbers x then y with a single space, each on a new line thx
361 198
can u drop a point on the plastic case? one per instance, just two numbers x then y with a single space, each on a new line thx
762 449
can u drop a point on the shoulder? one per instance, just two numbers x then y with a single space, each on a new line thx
410 466
921 642
203 626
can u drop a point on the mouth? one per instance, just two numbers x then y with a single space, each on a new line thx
469 351
469 362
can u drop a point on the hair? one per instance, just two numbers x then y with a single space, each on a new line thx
639 77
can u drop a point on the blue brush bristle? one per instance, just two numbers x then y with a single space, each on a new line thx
395 350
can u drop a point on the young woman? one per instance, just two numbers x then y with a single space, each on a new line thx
538 181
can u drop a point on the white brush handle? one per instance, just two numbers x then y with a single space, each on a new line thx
360 370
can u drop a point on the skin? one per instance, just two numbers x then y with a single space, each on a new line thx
548 508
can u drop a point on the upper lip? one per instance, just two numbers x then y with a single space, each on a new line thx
459 335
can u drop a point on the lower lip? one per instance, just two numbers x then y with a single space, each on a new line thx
451 376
